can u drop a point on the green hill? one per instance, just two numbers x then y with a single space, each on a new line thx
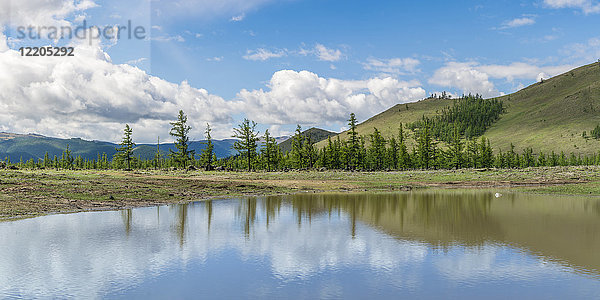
548 116
316 135
17 146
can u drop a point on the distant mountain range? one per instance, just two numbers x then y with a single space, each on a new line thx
17 146
28 146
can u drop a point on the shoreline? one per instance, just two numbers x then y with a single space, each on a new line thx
32 193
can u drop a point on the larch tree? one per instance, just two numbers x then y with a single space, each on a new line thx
455 150
125 151
180 131
377 149
206 158
270 151
247 143
157 154
298 152
354 151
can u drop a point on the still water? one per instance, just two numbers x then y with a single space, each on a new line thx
432 244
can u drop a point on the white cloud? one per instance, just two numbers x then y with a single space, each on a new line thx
277 131
238 18
471 77
521 70
586 6
465 77
326 54
396 66
518 22
41 12
305 98
136 61
583 53
263 54
90 97
168 38
322 53
215 59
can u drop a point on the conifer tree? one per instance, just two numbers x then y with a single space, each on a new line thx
425 148
66 161
47 161
486 153
309 152
298 151
180 131
247 143
353 145
157 154
455 151
404 160
393 154
125 151
377 149
206 158
270 151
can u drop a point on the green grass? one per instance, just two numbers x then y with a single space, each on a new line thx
548 116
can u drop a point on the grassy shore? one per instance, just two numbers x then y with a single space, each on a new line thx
30 193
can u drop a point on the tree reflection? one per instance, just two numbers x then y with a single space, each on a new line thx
181 215
126 216
447 218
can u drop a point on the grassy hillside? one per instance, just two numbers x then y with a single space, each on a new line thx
547 116
18 146
316 135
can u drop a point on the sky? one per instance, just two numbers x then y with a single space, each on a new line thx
279 63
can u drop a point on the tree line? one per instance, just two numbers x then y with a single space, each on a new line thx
409 149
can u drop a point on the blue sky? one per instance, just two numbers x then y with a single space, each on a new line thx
433 32
310 62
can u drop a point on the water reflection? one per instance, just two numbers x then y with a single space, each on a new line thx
426 244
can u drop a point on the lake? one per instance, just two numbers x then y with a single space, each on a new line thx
425 244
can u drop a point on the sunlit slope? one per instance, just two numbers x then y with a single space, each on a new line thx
552 115
547 116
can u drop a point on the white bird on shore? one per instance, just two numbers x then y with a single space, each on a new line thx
498 195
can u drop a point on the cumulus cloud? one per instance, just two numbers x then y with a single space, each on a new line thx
465 77
88 96
398 66
41 12
471 77
262 54
586 6
521 70
305 98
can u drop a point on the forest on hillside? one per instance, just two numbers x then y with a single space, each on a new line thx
470 115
